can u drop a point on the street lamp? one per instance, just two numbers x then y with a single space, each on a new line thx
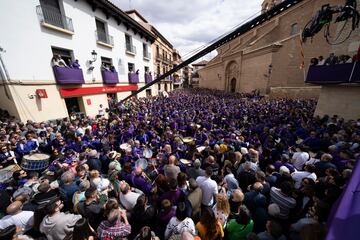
94 57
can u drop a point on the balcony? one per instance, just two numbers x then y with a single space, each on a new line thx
110 77
133 78
167 60
68 76
147 56
334 74
148 78
158 57
130 49
104 39
52 19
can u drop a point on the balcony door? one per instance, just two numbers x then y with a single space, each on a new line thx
52 12
65 54
101 31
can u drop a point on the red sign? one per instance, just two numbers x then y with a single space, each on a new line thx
88 101
41 93
69 92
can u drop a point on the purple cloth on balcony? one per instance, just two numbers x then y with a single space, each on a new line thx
133 78
148 78
356 75
338 73
65 75
345 215
110 77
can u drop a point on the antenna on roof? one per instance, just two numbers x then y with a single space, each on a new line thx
130 5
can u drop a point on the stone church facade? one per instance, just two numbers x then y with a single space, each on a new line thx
268 58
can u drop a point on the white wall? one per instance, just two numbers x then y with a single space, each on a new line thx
37 109
93 109
28 44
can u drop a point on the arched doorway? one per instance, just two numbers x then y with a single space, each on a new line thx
231 74
233 85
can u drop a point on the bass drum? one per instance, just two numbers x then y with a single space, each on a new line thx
35 162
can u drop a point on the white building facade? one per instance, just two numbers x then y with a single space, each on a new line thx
96 33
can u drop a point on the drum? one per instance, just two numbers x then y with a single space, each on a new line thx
187 139
185 161
200 149
184 164
142 162
35 162
148 153
125 146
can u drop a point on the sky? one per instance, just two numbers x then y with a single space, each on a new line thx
189 24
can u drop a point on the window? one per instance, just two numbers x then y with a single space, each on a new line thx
106 63
145 51
101 31
128 45
294 29
65 54
127 39
157 51
159 87
131 67
52 13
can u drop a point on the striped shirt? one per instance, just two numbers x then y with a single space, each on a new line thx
118 230
285 203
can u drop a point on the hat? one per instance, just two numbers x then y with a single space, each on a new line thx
244 150
96 181
103 185
114 155
114 165
274 210
84 185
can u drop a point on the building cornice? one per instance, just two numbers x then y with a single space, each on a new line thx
111 10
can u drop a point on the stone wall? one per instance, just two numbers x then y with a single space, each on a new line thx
343 100
272 43
311 92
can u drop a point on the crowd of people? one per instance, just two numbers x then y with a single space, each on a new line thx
333 59
198 164
58 61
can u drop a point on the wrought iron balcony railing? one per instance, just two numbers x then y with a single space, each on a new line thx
101 36
49 15
147 55
130 48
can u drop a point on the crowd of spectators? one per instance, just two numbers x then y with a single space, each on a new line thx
58 61
199 164
333 59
